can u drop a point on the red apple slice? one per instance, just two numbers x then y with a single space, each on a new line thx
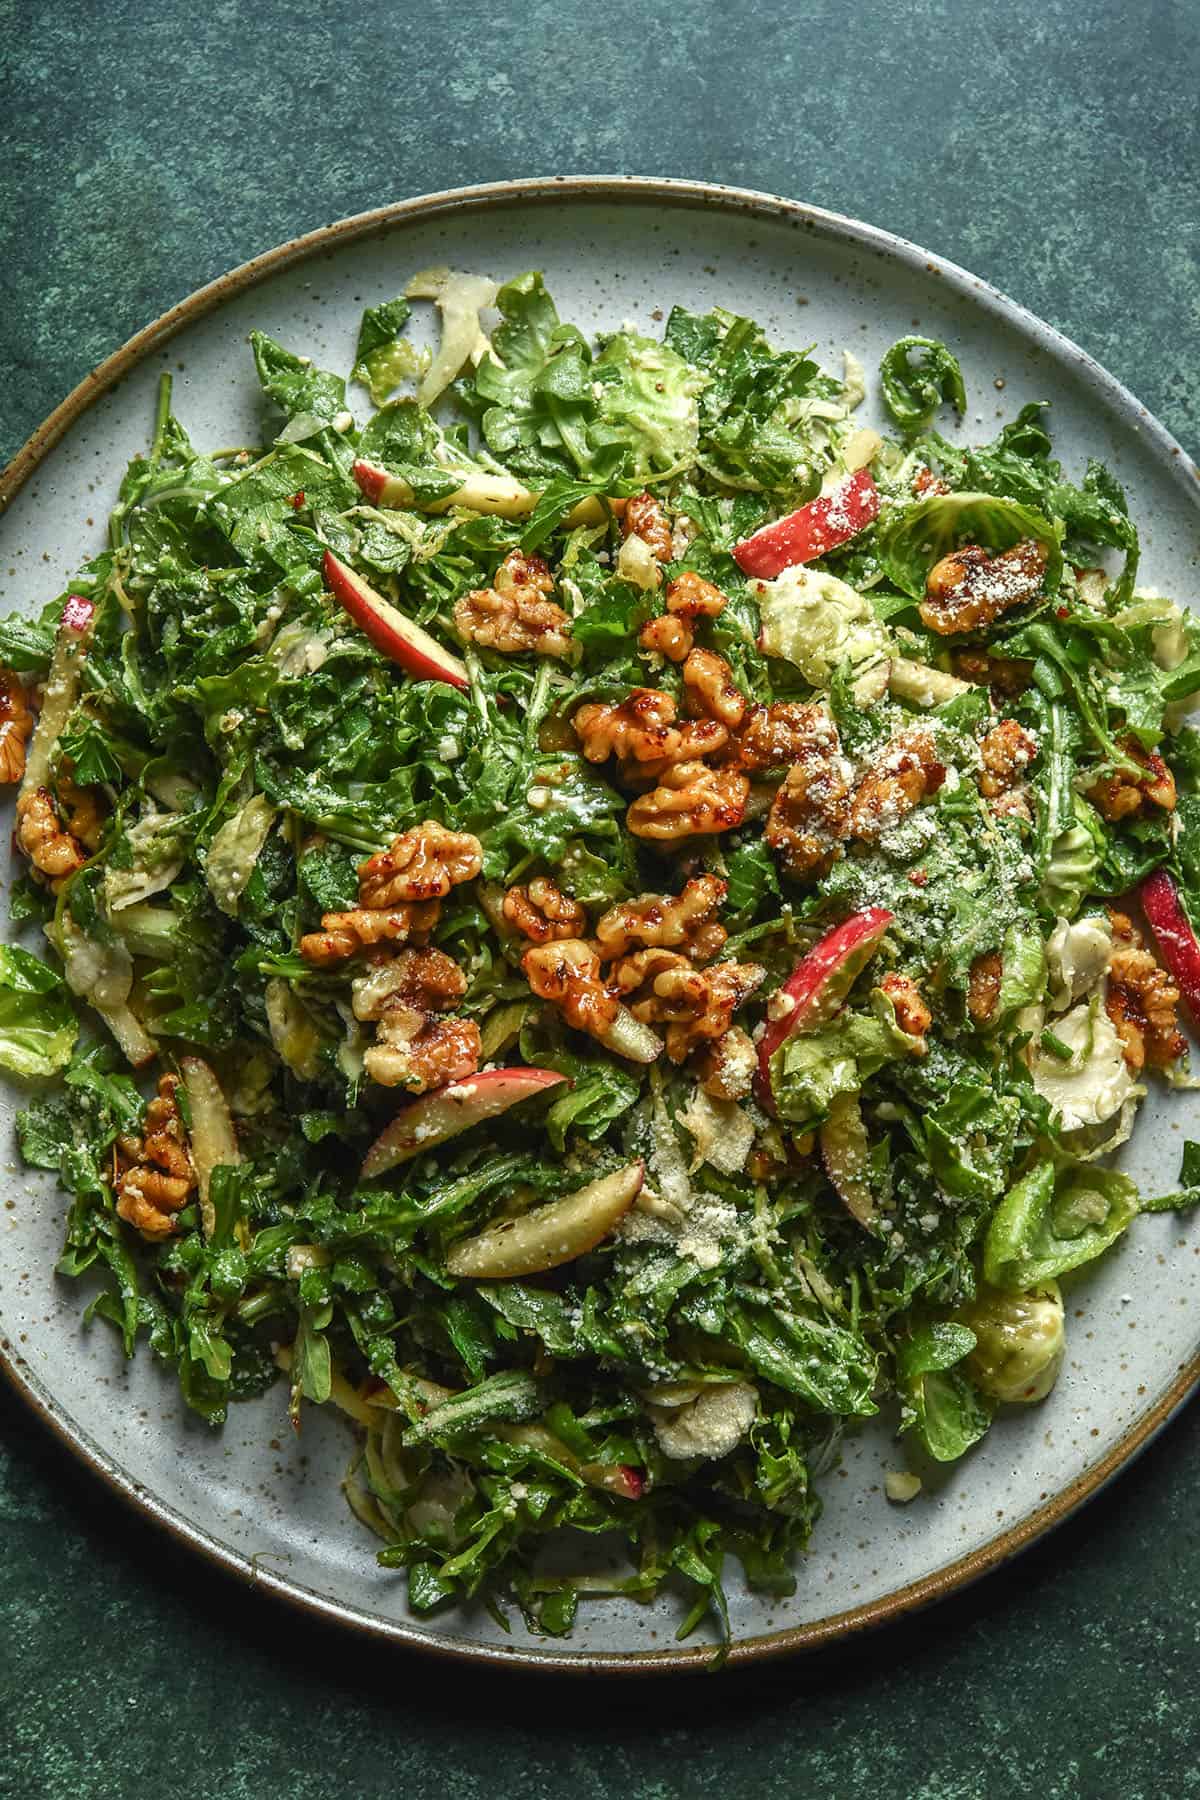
434 1117
818 985
1174 936
400 638
811 531
844 1151
551 1235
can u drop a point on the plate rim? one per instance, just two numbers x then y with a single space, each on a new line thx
952 1576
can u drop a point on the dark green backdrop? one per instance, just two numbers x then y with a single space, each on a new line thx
1051 146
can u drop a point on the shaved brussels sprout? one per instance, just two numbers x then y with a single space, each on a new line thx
1019 1340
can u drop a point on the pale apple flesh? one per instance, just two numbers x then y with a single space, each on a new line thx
844 1152
550 1235
389 630
480 492
817 986
212 1137
435 1117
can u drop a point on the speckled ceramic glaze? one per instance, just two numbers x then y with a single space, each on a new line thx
267 1505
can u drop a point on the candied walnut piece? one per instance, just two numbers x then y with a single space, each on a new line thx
684 922
421 864
418 1053
669 636
689 596
644 518
1123 795
810 816
568 974
690 800
785 732
983 987
1007 751
640 729
726 1068
906 773
51 849
157 1175
16 723
912 1015
542 912
344 934
515 613
642 733
696 1005
969 588
1141 1000
414 1048
523 571
1007 676
710 691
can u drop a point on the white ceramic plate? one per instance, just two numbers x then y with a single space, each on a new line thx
269 1507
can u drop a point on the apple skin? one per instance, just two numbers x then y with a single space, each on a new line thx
404 641
434 1117
812 530
818 984
1174 936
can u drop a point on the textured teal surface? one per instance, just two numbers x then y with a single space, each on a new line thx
1050 147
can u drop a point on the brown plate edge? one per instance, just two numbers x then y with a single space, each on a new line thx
614 189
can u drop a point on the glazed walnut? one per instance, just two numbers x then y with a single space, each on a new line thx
414 1048
726 1068
515 613
1006 751
912 1015
52 850
970 588
421 864
906 773
983 987
16 723
1141 1000
156 1175
419 1053
710 691
568 974
810 814
688 598
690 800
684 922
696 1005
925 483
344 934
542 912
784 732
669 636
641 731
1123 795
644 518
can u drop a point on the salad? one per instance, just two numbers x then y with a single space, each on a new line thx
603 921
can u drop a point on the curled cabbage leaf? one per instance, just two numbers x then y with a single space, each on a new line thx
912 538
1019 1341
822 624
1055 1219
